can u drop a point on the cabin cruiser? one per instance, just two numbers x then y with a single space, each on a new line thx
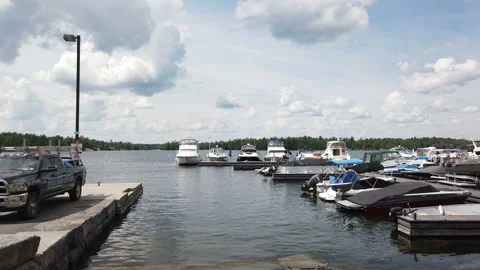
404 152
217 154
406 194
248 152
336 150
188 152
275 150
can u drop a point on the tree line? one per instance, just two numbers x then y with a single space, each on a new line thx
320 143
291 143
16 139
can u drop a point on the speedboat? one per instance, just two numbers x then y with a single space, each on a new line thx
336 150
404 152
358 179
406 194
248 152
393 159
217 154
465 173
275 150
306 154
188 152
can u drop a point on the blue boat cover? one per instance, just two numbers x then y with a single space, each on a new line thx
421 158
352 161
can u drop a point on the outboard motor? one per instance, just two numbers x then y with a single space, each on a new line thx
395 212
311 183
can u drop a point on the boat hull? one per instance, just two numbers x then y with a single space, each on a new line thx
217 159
192 160
272 159
414 202
249 158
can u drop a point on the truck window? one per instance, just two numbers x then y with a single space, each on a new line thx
56 161
45 163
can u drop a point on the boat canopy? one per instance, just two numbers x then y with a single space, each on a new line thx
367 167
399 189
352 161
380 156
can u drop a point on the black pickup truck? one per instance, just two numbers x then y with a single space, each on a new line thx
27 179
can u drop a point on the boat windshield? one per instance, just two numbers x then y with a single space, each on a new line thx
217 150
275 143
18 163
188 141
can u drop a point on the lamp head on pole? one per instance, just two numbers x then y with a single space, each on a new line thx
69 38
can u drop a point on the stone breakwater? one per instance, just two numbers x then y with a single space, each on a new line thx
64 229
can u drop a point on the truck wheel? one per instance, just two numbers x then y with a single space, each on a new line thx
32 206
76 191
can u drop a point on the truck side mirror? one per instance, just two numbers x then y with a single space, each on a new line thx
50 168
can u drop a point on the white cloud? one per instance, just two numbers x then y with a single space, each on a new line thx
360 112
396 110
129 25
227 102
251 113
118 71
19 101
4 4
143 103
443 75
440 106
290 105
306 21
470 109
404 66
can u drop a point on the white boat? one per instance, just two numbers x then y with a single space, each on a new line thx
305 154
336 150
404 152
217 154
248 152
275 150
188 152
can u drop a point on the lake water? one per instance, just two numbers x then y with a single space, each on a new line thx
207 215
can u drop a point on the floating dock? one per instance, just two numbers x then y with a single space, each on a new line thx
64 229
251 165
459 220
216 163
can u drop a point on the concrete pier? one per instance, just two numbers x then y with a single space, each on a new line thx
64 229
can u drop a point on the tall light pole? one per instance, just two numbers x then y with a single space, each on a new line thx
73 38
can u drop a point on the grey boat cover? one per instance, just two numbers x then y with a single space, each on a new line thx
367 198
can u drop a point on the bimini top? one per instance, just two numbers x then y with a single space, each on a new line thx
352 161
188 141
275 142
367 198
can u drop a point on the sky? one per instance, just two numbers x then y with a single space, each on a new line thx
153 71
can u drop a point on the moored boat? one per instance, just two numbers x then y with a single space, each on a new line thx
275 150
407 194
336 150
217 154
248 152
188 152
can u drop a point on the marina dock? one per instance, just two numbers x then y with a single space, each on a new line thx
251 165
458 220
64 229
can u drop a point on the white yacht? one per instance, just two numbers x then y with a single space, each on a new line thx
248 152
188 152
275 150
336 150
217 154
